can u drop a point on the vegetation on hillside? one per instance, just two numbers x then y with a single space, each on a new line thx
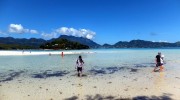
14 47
142 44
63 44
71 42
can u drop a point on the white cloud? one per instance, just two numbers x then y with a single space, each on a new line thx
75 32
50 35
18 28
33 31
162 41
89 36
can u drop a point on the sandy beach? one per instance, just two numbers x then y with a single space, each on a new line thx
58 80
29 53
139 83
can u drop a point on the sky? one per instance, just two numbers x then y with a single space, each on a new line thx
103 21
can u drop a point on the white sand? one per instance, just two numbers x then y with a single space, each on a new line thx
118 85
26 53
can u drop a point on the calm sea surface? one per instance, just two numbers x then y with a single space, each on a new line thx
101 58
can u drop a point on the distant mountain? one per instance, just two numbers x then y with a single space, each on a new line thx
121 44
142 44
81 40
33 43
107 46
24 43
14 46
178 43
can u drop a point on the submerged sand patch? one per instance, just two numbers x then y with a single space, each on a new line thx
115 83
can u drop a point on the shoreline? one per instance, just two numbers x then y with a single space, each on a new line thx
29 53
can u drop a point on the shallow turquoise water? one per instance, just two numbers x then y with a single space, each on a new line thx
101 58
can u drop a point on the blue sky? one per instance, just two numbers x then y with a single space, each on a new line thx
103 21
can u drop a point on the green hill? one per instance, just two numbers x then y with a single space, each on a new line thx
14 46
63 44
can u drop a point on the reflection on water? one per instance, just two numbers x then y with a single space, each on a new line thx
81 89
159 81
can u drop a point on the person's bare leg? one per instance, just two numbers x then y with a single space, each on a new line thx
161 68
155 68
78 74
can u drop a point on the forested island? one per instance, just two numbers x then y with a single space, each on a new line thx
63 44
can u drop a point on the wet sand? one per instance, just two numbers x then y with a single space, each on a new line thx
112 83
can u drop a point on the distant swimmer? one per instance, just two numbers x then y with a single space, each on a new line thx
159 62
62 54
79 65
23 51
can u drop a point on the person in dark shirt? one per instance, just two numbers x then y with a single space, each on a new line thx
158 61
79 66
